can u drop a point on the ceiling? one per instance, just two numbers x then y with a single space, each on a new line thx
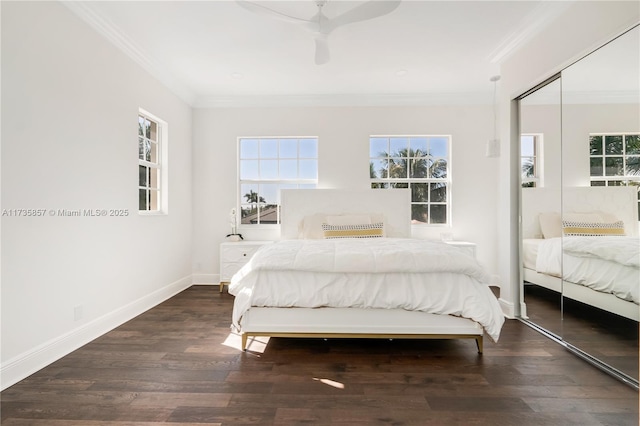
216 53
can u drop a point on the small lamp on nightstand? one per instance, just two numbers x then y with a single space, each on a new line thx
233 221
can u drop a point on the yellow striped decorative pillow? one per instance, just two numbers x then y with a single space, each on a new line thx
592 229
369 230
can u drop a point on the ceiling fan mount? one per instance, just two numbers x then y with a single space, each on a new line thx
320 26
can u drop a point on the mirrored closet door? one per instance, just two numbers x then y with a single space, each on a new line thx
540 154
600 182
580 206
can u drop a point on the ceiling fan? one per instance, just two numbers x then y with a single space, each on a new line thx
320 26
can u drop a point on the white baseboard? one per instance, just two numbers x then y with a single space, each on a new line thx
206 279
42 355
523 310
507 308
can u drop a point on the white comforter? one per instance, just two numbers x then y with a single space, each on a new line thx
606 264
385 273
622 250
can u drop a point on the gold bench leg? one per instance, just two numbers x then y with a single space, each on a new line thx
244 342
479 344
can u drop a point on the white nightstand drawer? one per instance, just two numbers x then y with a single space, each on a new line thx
237 252
234 256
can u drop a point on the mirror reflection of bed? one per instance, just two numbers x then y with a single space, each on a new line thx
590 253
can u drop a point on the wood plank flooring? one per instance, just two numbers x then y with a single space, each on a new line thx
611 338
178 364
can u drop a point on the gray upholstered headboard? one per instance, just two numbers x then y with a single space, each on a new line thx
393 205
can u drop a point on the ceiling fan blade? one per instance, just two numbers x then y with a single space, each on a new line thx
263 10
322 49
369 10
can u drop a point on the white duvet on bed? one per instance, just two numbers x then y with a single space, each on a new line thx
530 248
606 264
387 273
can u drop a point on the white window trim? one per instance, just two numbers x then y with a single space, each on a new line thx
238 202
539 165
448 180
163 160
607 179
624 178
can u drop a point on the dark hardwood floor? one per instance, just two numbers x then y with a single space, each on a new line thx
608 337
178 364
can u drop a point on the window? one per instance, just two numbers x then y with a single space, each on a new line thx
150 165
615 159
268 165
420 163
530 160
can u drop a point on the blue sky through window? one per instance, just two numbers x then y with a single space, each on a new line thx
268 165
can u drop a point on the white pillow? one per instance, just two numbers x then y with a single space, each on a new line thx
311 227
592 217
349 219
595 216
608 217
377 218
550 224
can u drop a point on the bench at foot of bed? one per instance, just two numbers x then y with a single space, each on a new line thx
333 323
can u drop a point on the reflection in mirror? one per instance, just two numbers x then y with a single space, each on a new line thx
540 150
601 176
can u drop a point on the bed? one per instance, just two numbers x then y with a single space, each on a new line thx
590 252
371 280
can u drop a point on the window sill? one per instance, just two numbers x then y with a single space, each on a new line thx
258 226
152 213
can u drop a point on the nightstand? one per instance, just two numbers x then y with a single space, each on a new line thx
234 256
467 247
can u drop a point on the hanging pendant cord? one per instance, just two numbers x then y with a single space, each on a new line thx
495 107
495 119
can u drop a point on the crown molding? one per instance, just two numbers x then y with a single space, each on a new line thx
602 97
347 100
87 12
533 24
586 97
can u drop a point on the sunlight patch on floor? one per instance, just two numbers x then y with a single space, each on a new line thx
330 382
254 344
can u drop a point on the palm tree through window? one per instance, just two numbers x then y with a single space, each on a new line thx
419 163
615 160
269 164
530 147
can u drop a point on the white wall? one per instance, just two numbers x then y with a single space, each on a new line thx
343 163
69 112
583 27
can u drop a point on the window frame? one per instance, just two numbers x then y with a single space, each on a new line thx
538 160
291 182
624 179
409 181
160 165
